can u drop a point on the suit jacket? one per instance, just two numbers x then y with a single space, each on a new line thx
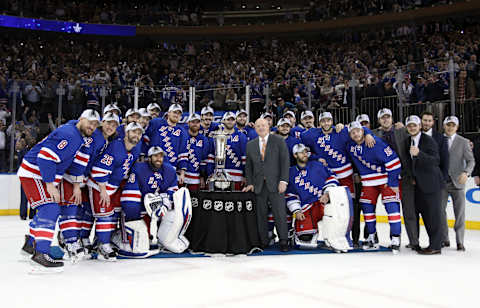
399 135
460 160
425 167
273 169
442 143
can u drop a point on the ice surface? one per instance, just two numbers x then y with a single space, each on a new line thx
325 280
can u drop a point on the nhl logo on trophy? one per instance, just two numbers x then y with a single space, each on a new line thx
220 179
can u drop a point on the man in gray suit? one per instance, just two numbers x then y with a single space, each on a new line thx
267 170
460 166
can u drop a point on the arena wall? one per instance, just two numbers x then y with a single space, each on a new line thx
10 202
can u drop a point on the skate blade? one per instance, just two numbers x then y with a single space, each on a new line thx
371 248
36 269
102 258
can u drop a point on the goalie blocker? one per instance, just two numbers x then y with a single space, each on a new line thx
173 225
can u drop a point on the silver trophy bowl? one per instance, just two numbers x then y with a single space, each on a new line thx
220 179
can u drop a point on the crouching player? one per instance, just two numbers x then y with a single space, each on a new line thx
105 186
156 181
379 169
40 173
312 190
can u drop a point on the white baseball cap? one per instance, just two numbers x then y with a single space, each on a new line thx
239 112
363 118
152 106
206 110
110 116
451 119
413 119
133 126
155 150
266 114
284 121
383 112
353 125
229 115
193 117
175 107
90 115
306 113
110 108
289 112
132 111
325 115
299 147
144 113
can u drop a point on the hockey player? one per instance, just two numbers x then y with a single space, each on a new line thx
296 130
379 169
40 173
330 148
132 116
154 110
106 182
284 128
112 108
198 149
306 195
307 119
172 138
241 120
144 118
76 218
363 119
207 124
236 148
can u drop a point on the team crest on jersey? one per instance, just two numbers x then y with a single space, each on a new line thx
131 178
62 144
88 142
388 151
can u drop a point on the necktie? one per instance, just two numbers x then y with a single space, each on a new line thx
264 147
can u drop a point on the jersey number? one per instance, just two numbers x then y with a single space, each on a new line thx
107 160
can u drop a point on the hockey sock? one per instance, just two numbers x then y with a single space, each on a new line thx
42 227
87 220
369 217
394 219
105 226
70 222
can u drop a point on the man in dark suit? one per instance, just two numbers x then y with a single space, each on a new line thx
423 172
442 143
267 171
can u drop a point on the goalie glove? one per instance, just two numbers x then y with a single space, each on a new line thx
156 206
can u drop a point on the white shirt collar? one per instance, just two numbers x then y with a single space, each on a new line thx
429 132
452 137
416 139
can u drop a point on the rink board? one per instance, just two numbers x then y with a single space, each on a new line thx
10 203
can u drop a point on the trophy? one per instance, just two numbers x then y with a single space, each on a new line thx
220 179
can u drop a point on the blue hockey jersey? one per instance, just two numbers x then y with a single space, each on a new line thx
143 180
172 139
291 141
198 149
113 165
86 156
249 132
208 131
378 165
307 185
236 149
50 158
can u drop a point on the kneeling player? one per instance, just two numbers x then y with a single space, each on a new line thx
156 181
307 195
379 169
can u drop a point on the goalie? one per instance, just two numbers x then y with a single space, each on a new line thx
168 208
313 195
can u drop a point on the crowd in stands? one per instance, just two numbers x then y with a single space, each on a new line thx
189 12
293 70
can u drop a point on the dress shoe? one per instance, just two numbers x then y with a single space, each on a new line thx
23 218
445 244
283 245
429 251
460 247
414 247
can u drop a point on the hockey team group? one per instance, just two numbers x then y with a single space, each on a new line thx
96 172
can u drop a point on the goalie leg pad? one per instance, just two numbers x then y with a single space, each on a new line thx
337 221
138 242
175 223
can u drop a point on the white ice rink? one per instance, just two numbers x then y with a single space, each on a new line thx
325 280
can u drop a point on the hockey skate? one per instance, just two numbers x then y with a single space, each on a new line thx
74 252
87 248
106 252
27 250
42 263
395 245
370 243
